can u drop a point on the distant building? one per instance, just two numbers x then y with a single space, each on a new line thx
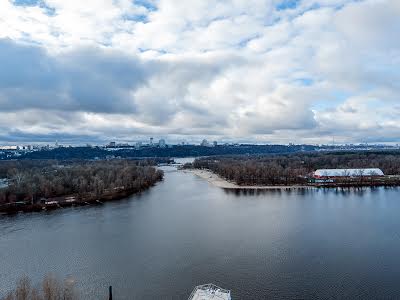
9 147
340 173
205 143
111 144
151 141
161 143
70 199
215 143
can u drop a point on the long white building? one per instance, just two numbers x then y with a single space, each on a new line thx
332 173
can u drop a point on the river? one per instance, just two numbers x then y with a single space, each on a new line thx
183 232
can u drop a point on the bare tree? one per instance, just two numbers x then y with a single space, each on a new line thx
294 169
50 289
23 290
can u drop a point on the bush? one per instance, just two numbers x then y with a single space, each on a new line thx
51 288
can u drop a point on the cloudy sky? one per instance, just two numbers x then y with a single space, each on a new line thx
274 71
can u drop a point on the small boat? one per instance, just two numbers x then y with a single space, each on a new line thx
210 292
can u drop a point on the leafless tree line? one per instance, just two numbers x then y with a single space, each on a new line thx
51 288
31 181
293 169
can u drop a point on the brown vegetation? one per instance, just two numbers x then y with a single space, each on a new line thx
37 182
50 289
294 169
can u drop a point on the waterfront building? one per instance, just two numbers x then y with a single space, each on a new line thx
341 173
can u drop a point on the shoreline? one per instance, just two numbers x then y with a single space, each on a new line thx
218 181
62 202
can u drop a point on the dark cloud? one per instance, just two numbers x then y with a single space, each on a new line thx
42 91
100 81
17 136
91 79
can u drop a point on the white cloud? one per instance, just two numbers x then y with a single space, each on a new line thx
229 69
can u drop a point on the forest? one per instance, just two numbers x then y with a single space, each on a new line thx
38 184
295 168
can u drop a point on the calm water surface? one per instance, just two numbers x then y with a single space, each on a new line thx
184 232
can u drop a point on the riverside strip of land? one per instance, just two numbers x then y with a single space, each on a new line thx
297 170
218 181
41 185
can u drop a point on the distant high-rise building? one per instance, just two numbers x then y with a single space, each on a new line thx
161 143
205 143
111 144
151 141
215 143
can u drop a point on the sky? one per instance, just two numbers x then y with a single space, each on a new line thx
262 71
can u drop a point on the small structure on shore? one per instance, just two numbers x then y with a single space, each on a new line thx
347 173
210 292
70 199
3 183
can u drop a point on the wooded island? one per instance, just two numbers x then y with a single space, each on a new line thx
299 168
29 185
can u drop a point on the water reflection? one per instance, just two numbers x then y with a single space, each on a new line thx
269 191
262 244
358 192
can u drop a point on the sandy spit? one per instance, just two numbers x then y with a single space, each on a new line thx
218 181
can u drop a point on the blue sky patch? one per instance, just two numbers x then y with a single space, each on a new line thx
287 4
305 81
26 2
136 18
337 98
147 4
49 10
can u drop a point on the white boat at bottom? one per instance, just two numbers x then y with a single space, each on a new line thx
208 292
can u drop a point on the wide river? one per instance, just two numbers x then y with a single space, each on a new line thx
307 244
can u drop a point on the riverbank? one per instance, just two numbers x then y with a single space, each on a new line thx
218 181
69 201
45 185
